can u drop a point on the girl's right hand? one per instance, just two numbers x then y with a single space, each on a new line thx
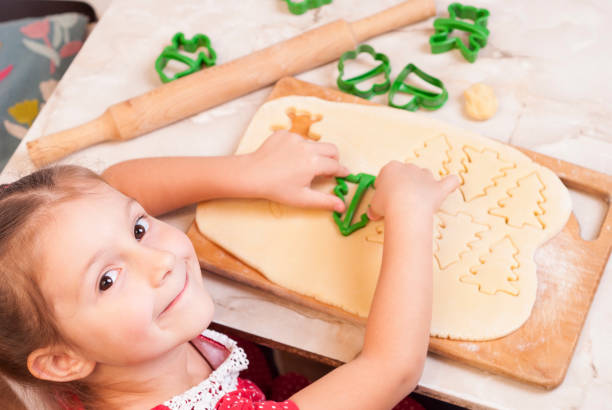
406 187
397 332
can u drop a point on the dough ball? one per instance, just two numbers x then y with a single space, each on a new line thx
480 102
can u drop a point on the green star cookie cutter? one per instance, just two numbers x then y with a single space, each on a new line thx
422 98
301 7
173 52
341 190
350 85
440 42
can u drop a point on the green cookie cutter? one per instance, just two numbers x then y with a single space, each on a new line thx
440 42
422 98
301 7
341 190
350 85
172 52
479 16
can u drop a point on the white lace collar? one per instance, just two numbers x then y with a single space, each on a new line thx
222 380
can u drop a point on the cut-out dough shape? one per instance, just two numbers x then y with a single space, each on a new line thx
456 236
523 206
302 249
301 122
433 152
481 170
497 270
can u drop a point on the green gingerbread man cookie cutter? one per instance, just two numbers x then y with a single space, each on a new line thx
350 85
364 181
301 7
173 52
422 98
441 41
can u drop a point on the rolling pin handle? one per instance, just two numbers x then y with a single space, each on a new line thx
53 147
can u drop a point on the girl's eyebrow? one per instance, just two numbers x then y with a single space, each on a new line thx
91 262
130 203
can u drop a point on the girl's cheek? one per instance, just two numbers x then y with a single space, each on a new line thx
132 331
176 239
134 315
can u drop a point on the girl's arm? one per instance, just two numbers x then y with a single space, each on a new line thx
282 170
397 331
166 183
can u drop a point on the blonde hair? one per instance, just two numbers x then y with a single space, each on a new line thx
27 319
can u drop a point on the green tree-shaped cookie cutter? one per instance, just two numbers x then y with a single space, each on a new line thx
350 85
440 42
341 190
422 98
172 52
301 7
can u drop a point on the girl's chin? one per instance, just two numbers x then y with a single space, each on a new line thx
201 315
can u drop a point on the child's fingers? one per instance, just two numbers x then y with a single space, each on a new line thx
330 167
326 149
316 199
372 214
449 184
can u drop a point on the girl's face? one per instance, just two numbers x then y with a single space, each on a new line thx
125 287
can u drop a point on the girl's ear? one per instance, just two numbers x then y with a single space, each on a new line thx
59 364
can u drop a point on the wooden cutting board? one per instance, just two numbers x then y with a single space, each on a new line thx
569 269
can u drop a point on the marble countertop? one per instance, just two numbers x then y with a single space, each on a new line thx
548 61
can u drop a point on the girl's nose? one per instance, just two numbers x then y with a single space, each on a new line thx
159 264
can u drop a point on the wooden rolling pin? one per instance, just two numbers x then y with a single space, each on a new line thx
207 88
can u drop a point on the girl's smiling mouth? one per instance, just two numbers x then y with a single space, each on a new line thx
177 298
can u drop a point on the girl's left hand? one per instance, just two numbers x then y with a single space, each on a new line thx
285 165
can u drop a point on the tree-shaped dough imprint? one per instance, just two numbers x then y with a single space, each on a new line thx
523 205
433 155
481 170
455 236
497 270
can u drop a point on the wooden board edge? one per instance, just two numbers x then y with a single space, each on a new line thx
545 382
556 377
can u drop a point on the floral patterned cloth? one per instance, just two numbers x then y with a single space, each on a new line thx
34 54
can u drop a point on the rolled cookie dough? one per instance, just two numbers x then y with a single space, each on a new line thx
480 102
485 233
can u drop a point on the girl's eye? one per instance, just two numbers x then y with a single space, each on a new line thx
140 228
108 279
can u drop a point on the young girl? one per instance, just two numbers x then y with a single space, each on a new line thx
104 306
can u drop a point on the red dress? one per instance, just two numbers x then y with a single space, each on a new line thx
223 389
